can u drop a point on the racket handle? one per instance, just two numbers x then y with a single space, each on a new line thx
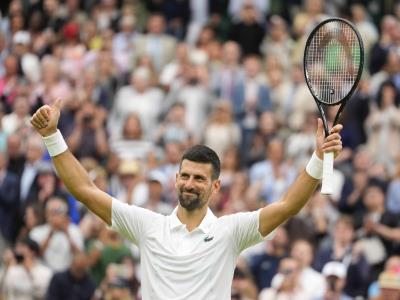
327 174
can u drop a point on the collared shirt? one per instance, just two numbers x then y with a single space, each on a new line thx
178 264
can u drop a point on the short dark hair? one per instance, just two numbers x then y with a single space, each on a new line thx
203 154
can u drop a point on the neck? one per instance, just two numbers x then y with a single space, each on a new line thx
191 219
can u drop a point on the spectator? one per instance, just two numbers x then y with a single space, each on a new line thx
131 144
335 275
9 201
221 132
155 199
89 137
272 175
342 248
26 278
158 45
247 31
58 239
286 283
311 280
74 283
383 127
139 97
265 265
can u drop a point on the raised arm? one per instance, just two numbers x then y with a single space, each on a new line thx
296 197
71 172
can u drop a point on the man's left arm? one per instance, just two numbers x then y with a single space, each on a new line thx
271 216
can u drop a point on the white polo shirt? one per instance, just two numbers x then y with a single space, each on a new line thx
180 265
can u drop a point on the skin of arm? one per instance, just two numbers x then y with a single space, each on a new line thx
71 172
272 215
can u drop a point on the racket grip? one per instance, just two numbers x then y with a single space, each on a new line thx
327 174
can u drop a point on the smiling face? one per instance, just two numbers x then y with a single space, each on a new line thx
194 184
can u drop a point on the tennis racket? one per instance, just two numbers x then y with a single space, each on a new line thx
333 63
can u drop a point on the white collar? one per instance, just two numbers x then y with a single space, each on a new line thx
204 226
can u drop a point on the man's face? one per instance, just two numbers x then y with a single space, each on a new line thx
194 184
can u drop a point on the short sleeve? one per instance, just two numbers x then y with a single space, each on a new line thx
245 231
131 221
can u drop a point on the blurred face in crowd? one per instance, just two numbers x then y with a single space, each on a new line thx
343 232
11 65
79 266
132 128
275 151
156 24
21 106
194 184
34 150
231 53
56 213
374 199
252 66
289 269
303 252
13 145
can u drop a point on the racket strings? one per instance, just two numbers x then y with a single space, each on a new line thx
333 61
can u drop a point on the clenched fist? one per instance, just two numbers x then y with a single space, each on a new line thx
45 119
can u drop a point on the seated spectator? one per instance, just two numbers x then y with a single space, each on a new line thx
342 248
286 283
335 275
155 199
221 132
106 249
311 280
265 265
58 238
131 144
273 175
25 277
392 265
89 137
389 283
74 283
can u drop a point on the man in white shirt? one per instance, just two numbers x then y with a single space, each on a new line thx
190 254
58 238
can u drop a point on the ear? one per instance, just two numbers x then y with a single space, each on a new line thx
216 185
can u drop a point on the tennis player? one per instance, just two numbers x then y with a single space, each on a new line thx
190 254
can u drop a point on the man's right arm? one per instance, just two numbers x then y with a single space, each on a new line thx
78 183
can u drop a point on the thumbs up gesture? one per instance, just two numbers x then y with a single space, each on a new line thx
45 119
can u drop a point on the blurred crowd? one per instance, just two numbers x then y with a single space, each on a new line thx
140 81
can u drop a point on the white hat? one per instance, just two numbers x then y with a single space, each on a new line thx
334 268
22 37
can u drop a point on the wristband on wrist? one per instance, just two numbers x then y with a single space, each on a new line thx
55 143
314 167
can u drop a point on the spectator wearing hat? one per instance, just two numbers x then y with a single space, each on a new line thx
156 201
130 187
389 283
58 238
335 275
25 277
341 247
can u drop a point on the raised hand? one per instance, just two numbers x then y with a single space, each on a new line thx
332 143
45 119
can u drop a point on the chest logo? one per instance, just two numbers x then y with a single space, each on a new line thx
208 238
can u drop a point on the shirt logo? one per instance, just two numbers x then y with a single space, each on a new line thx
208 238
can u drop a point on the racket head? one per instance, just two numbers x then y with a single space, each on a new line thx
333 61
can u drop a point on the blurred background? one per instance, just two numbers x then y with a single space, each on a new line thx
143 80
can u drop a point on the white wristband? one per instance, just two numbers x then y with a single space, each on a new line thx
55 143
314 167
